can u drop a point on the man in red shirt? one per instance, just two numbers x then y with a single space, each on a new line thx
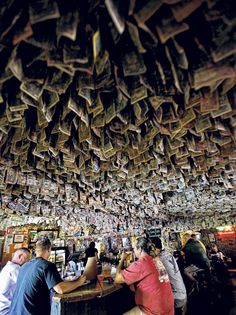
153 294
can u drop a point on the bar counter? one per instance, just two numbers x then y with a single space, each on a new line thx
91 299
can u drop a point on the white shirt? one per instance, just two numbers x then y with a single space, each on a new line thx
8 277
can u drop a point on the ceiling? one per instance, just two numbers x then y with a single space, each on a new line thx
118 110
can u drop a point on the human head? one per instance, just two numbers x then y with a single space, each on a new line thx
157 242
194 236
21 255
140 246
43 248
214 248
92 245
186 237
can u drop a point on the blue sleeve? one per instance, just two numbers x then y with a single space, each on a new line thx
52 276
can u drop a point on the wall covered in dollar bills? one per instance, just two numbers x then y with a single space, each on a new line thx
118 111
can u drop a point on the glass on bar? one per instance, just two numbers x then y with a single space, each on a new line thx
106 270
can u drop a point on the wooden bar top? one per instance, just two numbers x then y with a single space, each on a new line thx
87 292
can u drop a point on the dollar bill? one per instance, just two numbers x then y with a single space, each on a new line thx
29 100
224 107
11 177
179 54
227 85
97 107
233 121
147 11
169 115
84 132
121 101
183 9
157 101
106 143
13 116
55 59
221 141
50 99
134 35
114 8
99 121
133 63
97 45
15 65
110 112
203 124
137 111
102 67
209 102
73 53
133 153
168 27
42 122
65 127
15 104
88 95
68 22
84 81
208 75
224 51
57 81
138 93
174 71
33 89
152 132
194 100
175 144
42 10
121 84
21 33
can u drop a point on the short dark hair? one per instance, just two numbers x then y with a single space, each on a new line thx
193 235
157 242
43 244
92 245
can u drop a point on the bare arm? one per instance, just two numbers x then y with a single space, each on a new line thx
68 286
119 278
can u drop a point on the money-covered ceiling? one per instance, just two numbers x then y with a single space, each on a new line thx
122 107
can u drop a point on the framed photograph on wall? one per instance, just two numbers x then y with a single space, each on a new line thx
18 238
33 236
211 237
51 234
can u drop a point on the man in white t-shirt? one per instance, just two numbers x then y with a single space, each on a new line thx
8 277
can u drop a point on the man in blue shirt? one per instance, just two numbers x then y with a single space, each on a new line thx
36 278
8 278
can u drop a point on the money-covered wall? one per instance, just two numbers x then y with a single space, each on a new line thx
118 111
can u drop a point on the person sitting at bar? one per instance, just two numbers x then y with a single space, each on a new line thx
176 280
153 294
219 264
36 278
195 254
8 278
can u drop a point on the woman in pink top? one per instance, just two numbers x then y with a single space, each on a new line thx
153 294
